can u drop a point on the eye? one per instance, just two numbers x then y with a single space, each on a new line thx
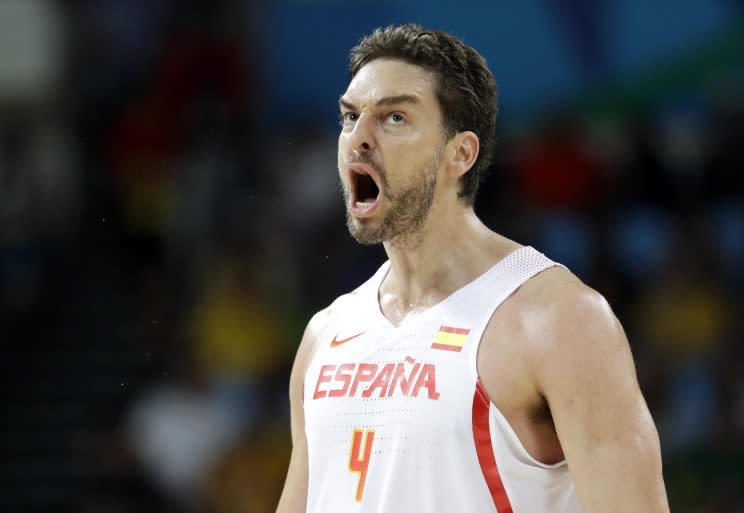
396 118
347 118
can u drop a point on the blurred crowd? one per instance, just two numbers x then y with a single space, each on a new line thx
161 251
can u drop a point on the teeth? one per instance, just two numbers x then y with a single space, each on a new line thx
362 204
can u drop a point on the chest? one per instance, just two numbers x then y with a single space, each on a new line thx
418 379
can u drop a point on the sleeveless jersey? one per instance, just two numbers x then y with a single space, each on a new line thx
397 420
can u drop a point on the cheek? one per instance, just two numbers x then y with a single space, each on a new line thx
342 150
341 174
342 141
340 165
339 156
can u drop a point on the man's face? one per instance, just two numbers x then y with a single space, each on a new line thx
389 151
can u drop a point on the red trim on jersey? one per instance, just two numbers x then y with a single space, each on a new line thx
457 331
486 458
446 347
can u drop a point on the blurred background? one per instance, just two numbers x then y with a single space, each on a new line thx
170 219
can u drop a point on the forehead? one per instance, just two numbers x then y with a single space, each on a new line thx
383 78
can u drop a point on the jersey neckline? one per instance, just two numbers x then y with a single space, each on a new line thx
384 269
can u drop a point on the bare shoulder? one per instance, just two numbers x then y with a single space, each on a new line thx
560 291
561 324
556 302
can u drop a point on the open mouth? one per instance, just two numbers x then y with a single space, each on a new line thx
365 191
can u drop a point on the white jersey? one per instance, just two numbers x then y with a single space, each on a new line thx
397 419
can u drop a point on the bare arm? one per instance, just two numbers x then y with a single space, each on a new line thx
586 373
294 494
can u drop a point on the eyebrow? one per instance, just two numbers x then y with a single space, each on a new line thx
387 100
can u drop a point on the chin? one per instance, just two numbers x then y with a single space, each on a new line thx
364 231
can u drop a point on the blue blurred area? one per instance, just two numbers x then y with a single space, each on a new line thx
541 51
170 220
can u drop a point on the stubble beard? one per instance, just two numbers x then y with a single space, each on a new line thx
404 222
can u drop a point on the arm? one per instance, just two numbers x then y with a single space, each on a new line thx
586 373
294 495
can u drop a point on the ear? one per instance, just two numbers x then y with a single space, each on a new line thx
464 147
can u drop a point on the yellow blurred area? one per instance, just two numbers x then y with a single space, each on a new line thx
249 479
682 319
234 332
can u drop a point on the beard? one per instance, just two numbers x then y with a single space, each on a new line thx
406 212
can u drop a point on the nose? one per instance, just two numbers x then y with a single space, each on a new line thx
361 137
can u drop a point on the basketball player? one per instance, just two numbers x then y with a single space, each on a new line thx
469 373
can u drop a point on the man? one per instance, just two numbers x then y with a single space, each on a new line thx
470 373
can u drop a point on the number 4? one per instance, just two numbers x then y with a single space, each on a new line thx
359 462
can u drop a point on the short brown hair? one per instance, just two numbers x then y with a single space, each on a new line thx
465 87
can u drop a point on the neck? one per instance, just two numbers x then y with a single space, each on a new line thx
454 249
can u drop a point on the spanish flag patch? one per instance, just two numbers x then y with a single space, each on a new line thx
450 339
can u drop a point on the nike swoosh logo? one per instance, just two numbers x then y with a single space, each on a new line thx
335 342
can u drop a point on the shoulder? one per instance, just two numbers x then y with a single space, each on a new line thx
556 299
306 350
563 325
341 308
318 324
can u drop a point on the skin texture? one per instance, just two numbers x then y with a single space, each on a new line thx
554 359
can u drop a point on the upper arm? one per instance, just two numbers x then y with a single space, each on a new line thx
294 494
586 373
